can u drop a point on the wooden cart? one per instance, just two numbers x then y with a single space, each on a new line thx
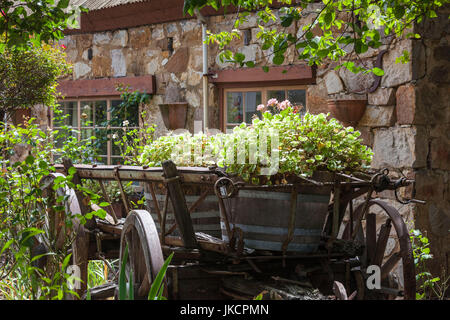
207 267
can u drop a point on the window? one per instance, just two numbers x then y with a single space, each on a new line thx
101 118
240 104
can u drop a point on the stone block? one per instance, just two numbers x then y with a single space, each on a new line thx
120 38
317 98
179 61
378 116
400 147
101 39
101 66
396 74
430 185
80 70
432 103
84 41
440 153
118 63
382 97
366 135
406 105
333 82
139 38
357 82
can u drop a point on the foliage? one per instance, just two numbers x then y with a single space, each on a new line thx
338 30
30 22
184 149
34 246
126 291
29 77
429 285
305 145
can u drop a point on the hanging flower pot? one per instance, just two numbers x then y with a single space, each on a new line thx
174 115
348 111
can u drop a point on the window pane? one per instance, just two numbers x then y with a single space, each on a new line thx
234 107
252 100
68 115
277 94
116 135
116 161
87 113
100 114
298 98
101 141
101 160
119 114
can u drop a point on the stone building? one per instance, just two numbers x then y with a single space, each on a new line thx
152 47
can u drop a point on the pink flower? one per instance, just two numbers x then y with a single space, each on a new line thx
261 108
272 102
284 105
63 46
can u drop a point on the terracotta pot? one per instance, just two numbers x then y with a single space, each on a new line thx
174 115
348 112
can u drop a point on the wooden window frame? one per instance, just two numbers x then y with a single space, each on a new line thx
263 89
109 156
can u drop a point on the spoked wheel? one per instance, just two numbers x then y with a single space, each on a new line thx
57 233
145 257
375 253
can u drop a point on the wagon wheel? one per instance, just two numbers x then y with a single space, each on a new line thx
145 257
374 253
56 231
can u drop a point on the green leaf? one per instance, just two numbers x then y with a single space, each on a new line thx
159 278
63 4
278 59
239 57
250 64
29 159
122 277
378 72
399 11
286 21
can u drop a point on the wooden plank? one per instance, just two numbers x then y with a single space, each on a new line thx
190 175
296 74
102 292
180 208
104 87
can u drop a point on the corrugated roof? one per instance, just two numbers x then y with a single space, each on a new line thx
102 4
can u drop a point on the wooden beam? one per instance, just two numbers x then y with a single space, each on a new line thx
294 75
105 87
180 209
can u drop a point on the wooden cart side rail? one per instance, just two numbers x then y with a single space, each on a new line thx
135 173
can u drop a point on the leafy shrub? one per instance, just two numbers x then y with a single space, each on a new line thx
26 214
429 286
30 77
299 146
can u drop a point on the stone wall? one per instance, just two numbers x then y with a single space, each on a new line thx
426 107
406 122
